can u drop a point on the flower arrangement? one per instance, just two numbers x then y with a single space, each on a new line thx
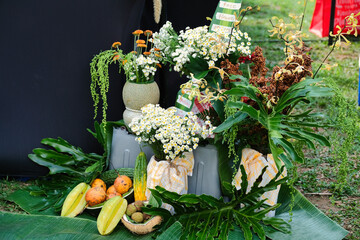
180 49
168 134
253 108
139 65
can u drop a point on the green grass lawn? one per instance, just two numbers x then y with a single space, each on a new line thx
319 176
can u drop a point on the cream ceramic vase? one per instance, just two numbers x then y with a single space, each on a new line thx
137 95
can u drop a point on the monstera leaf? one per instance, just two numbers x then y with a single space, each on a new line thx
279 121
206 217
68 165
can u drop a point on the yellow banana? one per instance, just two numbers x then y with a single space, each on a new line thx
75 201
111 214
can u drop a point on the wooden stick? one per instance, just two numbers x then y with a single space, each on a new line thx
320 194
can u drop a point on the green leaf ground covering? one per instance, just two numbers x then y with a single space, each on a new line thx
307 223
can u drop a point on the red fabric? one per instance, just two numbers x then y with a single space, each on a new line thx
321 18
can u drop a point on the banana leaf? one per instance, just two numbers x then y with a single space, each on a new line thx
21 226
308 222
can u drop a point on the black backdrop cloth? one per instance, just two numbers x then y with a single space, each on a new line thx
45 51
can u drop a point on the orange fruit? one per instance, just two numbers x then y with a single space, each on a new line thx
122 184
95 196
111 192
108 196
98 183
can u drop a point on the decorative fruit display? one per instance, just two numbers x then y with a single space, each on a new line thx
95 196
75 201
140 175
135 213
110 215
109 176
98 183
137 221
122 184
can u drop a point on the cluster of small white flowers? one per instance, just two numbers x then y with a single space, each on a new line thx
175 134
165 39
199 43
142 63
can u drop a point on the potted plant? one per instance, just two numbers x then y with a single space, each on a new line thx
139 65
172 139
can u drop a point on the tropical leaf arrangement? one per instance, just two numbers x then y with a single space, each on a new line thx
279 125
206 217
68 166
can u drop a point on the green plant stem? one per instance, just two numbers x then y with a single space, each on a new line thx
318 69
338 36
303 15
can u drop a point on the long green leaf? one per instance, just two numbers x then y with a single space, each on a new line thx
230 121
289 149
252 112
224 168
320 139
54 168
59 158
174 232
245 90
63 146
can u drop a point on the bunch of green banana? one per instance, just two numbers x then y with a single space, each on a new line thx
75 202
111 214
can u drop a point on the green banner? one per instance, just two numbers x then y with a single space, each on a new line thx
224 15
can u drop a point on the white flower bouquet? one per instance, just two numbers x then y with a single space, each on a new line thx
199 43
168 134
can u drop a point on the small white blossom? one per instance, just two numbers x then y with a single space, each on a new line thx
162 127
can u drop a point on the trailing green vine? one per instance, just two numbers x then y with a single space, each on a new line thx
344 115
230 135
99 69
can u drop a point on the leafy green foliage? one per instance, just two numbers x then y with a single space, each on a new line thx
279 121
69 165
206 217
99 69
